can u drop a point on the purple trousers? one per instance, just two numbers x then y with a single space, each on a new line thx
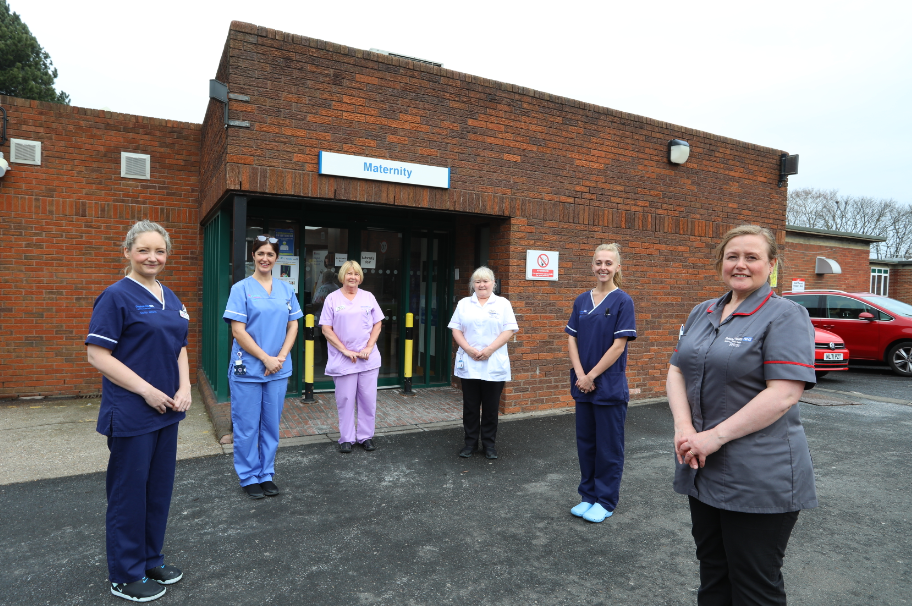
357 390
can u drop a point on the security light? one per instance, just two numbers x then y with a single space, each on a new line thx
678 151
4 165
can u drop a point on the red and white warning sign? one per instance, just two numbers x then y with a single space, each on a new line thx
541 265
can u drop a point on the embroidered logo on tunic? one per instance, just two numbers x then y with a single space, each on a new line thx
736 341
339 307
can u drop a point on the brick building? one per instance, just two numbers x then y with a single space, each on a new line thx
526 171
805 245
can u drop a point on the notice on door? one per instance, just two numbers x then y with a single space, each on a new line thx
797 285
286 270
542 265
368 260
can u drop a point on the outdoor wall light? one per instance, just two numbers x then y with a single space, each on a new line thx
678 151
788 165
4 165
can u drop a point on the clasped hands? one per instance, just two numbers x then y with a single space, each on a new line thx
585 384
161 402
273 364
692 447
364 354
479 355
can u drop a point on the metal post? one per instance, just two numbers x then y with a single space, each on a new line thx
239 245
308 358
409 338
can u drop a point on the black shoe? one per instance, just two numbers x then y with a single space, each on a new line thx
345 447
165 574
368 445
254 491
466 452
269 488
138 591
490 452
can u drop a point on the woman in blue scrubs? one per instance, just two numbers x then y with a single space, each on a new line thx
263 314
138 341
601 324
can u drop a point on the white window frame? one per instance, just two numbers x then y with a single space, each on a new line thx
880 281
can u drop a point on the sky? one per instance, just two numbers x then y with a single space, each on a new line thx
830 81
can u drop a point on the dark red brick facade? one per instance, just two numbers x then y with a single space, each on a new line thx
549 172
62 223
799 259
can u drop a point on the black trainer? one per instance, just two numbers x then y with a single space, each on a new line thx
254 491
368 445
466 452
138 591
165 574
269 488
345 447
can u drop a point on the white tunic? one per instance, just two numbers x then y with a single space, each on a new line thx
481 325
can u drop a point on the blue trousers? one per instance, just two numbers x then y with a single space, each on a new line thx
139 483
256 409
600 444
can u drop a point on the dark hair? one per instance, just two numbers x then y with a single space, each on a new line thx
258 244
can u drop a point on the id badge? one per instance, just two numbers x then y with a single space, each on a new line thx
460 364
240 369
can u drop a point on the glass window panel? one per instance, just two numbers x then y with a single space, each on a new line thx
384 282
811 302
321 244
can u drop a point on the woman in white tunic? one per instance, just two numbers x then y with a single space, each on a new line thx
482 324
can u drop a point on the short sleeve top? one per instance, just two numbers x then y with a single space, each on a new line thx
266 316
352 321
481 324
595 328
147 336
726 363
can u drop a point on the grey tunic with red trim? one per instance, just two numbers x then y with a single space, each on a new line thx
726 363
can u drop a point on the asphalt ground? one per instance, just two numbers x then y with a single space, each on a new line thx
876 381
411 523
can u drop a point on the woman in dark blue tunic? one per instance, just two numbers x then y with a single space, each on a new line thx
601 323
138 341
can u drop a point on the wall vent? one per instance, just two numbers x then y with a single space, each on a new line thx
398 56
25 152
134 166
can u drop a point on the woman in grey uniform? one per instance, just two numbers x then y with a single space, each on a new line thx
741 364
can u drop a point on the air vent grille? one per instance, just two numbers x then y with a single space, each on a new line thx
415 59
25 152
134 166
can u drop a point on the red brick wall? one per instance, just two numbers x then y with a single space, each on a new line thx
557 174
901 284
62 223
799 260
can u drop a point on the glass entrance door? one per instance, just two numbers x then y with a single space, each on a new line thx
429 297
381 261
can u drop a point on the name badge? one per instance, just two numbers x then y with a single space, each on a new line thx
339 307
184 314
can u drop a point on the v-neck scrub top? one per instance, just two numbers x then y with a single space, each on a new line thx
267 316
595 328
352 321
480 325
726 362
147 336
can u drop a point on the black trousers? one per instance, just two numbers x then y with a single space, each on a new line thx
483 395
740 555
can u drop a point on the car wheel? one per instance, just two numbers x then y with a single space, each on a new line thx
821 374
900 359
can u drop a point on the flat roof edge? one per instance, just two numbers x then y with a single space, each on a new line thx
829 232
76 110
250 28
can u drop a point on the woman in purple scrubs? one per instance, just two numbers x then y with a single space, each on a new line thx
351 323
138 341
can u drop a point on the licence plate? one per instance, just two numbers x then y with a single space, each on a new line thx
832 356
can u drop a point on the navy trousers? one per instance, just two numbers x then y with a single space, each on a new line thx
139 484
600 444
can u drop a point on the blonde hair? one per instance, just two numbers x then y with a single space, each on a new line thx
139 228
618 278
347 267
482 273
772 249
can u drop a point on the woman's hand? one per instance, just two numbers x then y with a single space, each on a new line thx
158 400
695 447
681 434
351 355
483 354
585 383
272 365
471 352
182 400
365 353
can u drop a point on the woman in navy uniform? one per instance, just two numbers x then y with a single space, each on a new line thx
138 341
263 314
741 364
603 320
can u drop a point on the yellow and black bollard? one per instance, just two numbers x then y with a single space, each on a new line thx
409 339
308 358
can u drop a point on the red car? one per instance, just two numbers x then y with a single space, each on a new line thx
874 328
830 353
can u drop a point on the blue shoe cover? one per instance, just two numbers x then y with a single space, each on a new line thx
580 509
597 513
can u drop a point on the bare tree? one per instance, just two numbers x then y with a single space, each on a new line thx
826 209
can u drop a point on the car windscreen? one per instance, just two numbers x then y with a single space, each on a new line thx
891 305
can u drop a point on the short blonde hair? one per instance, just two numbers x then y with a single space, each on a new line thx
482 273
772 249
618 278
347 267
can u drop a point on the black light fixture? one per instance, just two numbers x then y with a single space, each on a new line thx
788 165
219 92
678 151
